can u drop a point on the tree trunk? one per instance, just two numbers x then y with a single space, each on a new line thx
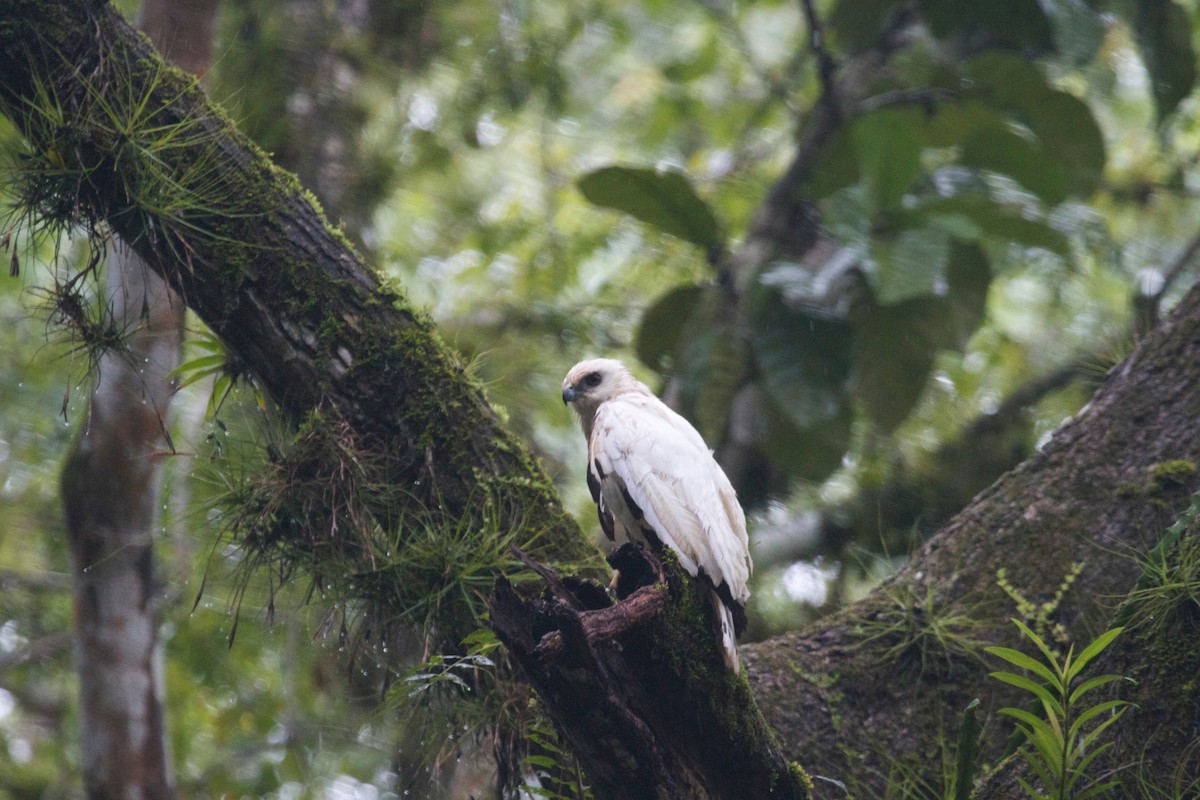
111 492
344 357
256 260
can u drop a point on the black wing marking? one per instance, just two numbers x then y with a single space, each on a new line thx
595 475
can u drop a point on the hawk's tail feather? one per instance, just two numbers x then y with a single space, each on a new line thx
726 632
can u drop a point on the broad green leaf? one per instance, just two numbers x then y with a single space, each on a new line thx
1098 645
837 168
662 326
913 264
1019 659
889 154
1004 224
804 359
952 122
893 354
994 220
956 226
1164 36
1062 123
1018 23
663 199
1001 149
811 454
1071 137
969 277
1040 733
714 364
857 24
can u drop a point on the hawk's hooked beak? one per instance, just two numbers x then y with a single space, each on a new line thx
569 394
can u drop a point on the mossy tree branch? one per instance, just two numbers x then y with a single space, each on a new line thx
1093 500
120 137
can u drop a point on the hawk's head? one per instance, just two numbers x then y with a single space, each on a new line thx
589 383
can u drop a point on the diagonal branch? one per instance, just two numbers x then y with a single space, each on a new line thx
120 138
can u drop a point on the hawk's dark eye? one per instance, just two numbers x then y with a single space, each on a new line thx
593 379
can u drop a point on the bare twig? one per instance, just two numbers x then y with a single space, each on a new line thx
826 65
51 581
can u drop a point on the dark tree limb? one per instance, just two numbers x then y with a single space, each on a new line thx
826 66
645 703
1098 495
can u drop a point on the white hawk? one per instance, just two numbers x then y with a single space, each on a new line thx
656 484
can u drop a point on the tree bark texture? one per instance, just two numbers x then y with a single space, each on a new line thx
874 695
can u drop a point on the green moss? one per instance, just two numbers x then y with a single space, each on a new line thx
1161 480
1169 476
801 776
